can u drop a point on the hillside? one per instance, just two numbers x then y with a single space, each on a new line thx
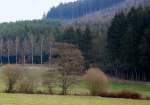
105 16
79 8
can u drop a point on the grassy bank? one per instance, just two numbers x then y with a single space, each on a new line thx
24 99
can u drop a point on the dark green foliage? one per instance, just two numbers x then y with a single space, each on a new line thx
128 44
115 34
79 8
82 39
23 28
86 46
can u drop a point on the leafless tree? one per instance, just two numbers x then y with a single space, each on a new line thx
42 40
70 63
32 47
8 50
1 48
25 47
51 41
16 48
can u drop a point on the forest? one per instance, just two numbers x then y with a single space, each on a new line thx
79 8
129 42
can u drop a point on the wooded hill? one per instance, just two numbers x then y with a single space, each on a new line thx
79 8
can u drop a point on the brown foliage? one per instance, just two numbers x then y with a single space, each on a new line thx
27 83
96 81
122 94
70 62
12 74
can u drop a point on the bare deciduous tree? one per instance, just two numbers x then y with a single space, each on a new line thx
70 63
42 41
1 48
8 51
32 47
16 48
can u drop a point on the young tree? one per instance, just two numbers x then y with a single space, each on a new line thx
1 48
41 49
24 50
16 48
8 51
70 62
32 48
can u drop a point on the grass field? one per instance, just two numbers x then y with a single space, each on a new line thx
23 99
26 99
37 71
138 87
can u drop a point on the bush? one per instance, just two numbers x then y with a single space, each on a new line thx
122 94
96 81
12 74
49 80
26 83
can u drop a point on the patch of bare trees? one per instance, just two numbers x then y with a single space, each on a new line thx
26 50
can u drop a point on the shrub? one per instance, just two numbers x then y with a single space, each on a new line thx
27 83
122 94
12 74
96 81
49 80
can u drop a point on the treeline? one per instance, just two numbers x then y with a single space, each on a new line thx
129 44
30 50
27 41
79 8
23 28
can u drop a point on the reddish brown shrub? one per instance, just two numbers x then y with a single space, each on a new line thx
122 94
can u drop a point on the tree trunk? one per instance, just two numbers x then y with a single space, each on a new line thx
8 51
1 51
42 51
17 41
24 55
50 55
32 45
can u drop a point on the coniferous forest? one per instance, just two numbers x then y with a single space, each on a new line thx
79 8
129 42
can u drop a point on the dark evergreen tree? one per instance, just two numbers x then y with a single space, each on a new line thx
128 44
86 46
